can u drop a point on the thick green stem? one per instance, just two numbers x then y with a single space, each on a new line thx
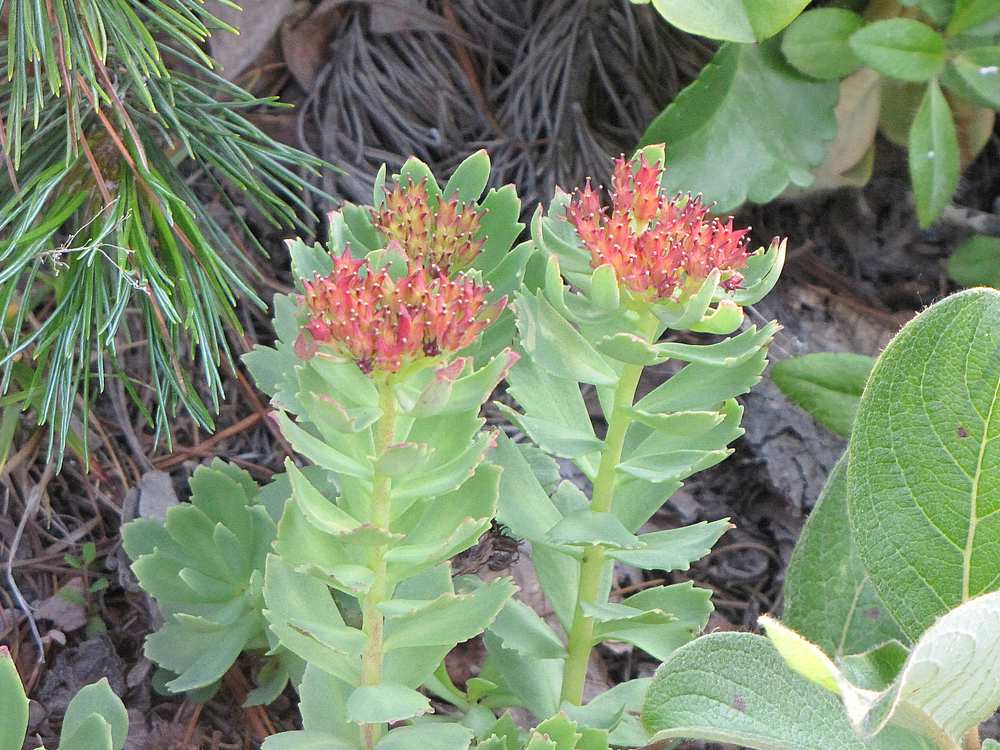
581 634
381 516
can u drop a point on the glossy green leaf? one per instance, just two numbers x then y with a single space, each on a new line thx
976 262
828 385
788 120
735 688
924 462
817 42
933 155
376 704
828 596
14 717
901 48
97 698
731 20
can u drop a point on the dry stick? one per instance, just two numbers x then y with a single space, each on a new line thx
204 448
34 500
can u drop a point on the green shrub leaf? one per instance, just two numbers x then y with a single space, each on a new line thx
979 72
901 48
933 155
976 262
787 122
828 385
731 20
736 688
971 13
828 597
816 43
924 479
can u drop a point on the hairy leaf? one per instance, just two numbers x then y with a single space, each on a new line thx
828 596
923 492
901 48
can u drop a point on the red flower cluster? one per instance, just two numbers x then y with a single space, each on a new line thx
382 323
443 239
655 244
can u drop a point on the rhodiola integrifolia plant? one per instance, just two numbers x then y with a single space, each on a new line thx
397 333
618 278
378 376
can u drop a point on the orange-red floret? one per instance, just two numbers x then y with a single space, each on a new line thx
383 323
654 243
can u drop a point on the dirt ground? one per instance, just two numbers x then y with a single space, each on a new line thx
552 93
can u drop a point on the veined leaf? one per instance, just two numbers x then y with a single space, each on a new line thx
711 689
828 596
924 462
789 121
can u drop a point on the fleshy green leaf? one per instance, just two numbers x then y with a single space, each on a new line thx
558 347
731 20
901 48
93 733
933 155
446 621
376 704
674 549
97 699
816 42
788 120
522 630
828 597
828 385
735 688
306 740
976 262
923 491
14 717
586 527
470 177
427 737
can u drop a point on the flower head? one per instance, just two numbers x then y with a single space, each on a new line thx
382 323
441 235
655 244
